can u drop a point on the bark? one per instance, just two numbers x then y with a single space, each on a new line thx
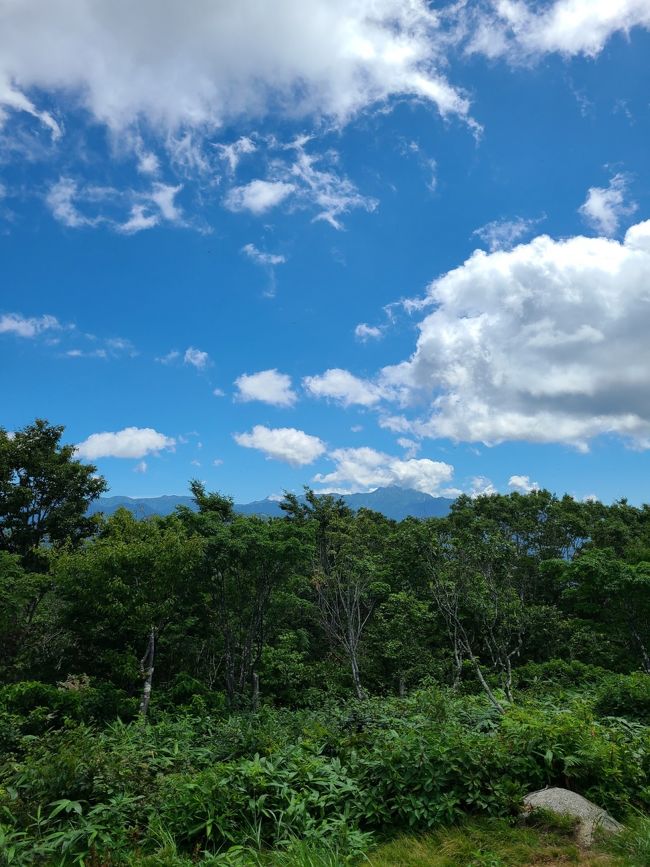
256 691
146 672
356 677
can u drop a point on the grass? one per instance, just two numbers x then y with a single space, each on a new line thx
492 843
476 843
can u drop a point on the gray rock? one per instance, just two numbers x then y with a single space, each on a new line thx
566 803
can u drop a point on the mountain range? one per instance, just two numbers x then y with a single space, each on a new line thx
393 502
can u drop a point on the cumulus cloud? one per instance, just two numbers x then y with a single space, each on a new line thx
503 234
363 469
364 332
305 58
294 447
522 484
544 343
343 387
196 358
27 326
268 386
569 27
481 486
258 196
131 442
604 206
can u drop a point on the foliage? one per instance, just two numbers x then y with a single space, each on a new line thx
327 677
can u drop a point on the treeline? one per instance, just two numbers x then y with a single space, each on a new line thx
245 611
224 689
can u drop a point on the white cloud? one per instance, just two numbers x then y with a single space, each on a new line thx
60 199
172 356
268 386
140 467
545 343
294 447
258 196
196 358
233 152
364 332
343 387
132 442
304 180
138 221
174 71
522 484
27 326
566 26
16 100
261 258
330 193
146 208
503 234
481 486
363 469
148 163
604 206
410 446
164 195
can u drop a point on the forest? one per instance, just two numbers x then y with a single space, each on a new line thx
217 688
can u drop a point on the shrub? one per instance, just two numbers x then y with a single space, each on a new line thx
625 696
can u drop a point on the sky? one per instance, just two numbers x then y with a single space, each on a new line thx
343 243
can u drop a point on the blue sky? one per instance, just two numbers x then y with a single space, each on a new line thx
340 244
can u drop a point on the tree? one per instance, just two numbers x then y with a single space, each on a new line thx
135 577
349 587
245 559
44 492
472 586
615 594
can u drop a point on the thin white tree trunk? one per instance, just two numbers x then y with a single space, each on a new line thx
146 671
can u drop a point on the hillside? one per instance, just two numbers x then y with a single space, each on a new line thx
393 502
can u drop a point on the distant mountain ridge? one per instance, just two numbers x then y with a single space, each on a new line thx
393 502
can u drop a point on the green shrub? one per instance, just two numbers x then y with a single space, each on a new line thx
625 696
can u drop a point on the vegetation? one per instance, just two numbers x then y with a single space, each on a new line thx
224 689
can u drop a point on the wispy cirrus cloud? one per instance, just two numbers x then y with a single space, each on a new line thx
28 326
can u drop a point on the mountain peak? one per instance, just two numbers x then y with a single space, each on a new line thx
392 501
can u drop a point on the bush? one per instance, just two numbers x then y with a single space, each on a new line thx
625 696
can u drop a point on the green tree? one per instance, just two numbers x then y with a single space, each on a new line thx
134 577
44 492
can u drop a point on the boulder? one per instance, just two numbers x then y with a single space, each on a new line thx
590 817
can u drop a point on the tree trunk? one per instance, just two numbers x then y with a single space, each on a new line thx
485 685
256 691
356 677
146 672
